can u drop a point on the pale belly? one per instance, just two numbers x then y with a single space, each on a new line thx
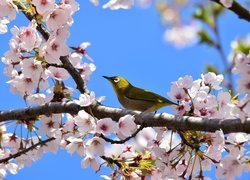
136 104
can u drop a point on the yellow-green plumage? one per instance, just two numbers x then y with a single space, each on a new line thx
135 98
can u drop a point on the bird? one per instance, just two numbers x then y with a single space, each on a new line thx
134 98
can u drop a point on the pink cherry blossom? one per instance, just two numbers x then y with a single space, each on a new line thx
3 25
61 15
53 49
73 5
90 161
86 99
227 3
31 68
59 74
229 168
146 137
38 98
185 82
43 6
127 125
204 104
85 122
95 2
27 37
182 36
119 4
177 93
212 80
95 146
22 85
49 124
8 9
86 70
76 144
106 126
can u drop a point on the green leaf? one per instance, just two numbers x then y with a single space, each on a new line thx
204 14
217 9
211 68
243 47
205 38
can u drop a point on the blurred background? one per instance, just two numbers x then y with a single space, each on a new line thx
130 43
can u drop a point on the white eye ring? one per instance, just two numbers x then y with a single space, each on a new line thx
116 80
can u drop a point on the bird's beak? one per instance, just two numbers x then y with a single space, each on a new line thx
106 77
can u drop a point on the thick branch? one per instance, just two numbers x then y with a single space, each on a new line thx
64 59
12 156
146 119
238 9
176 123
32 112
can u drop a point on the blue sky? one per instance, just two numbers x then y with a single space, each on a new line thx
127 43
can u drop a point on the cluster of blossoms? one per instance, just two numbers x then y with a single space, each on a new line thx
7 13
195 97
122 4
32 60
242 67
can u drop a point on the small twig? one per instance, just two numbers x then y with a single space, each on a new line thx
56 65
123 140
111 161
195 147
227 67
12 156
238 9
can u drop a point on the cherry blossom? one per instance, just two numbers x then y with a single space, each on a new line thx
106 126
86 99
177 93
95 146
27 37
146 137
229 168
22 85
31 68
227 3
43 6
212 80
73 5
119 4
127 125
182 36
3 25
61 15
90 161
95 2
85 122
8 9
59 74
50 124
76 144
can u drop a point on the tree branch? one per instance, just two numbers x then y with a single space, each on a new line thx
12 156
174 122
64 59
32 112
146 119
238 9
123 140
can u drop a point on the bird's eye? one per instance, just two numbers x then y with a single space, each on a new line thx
116 80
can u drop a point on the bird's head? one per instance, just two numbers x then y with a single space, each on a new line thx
119 83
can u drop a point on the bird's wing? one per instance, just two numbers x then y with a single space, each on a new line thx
145 95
